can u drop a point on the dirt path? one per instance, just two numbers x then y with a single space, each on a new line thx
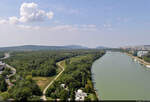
44 91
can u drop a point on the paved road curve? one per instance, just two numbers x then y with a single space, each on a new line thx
13 73
7 55
44 91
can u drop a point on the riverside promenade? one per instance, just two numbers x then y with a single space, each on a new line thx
140 60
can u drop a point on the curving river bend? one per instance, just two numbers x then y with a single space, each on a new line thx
118 77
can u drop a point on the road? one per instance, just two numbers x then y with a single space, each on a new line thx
12 69
13 73
44 91
7 55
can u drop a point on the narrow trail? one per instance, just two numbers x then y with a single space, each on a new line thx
44 91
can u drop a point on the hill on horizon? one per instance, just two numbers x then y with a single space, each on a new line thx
41 47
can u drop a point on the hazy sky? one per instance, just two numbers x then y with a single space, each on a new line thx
91 23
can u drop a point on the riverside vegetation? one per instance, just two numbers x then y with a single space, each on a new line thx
1 54
32 64
77 75
147 57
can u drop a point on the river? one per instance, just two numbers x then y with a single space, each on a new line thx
119 77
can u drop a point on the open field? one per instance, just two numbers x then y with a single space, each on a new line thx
42 82
77 59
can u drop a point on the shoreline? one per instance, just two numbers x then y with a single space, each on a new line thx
94 87
92 75
97 94
146 64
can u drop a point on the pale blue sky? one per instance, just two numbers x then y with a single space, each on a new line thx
91 23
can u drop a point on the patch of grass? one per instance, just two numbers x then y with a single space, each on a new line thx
92 96
49 98
62 63
42 82
35 98
76 59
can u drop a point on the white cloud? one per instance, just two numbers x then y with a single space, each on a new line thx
3 21
107 25
13 20
29 12
74 28
28 27
24 26
63 28
50 15
65 9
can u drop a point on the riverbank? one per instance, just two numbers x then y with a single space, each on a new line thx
96 93
147 64
77 79
94 86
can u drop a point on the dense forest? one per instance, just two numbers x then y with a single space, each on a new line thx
38 63
76 76
3 84
29 64
1 54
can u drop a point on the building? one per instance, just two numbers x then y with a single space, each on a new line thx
141 53
80 95
63 85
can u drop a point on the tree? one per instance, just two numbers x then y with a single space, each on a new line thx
3 84
25 89
22 94
4 95
89 86
50 90
72 95
63 94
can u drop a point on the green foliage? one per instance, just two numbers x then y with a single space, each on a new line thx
22 94
77 75
6 72
43 63
39 63
63 94
147 57
89 87
4 95
1 54
3 84
25 88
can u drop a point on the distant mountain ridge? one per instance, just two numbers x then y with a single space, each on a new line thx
101 47
41 47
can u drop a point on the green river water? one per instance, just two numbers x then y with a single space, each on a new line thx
119 77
